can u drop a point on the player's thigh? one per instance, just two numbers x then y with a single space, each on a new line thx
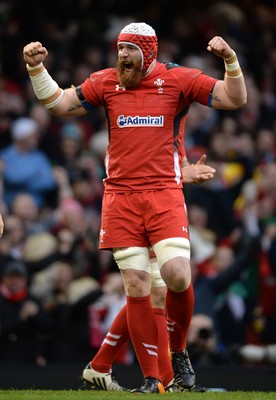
121 224
166 216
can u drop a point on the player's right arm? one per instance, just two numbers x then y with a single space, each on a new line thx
58 101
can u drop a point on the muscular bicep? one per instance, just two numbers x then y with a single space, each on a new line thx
221 99
70 105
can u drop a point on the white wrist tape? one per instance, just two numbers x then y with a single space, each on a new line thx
37 67
46 89
232 67
234 76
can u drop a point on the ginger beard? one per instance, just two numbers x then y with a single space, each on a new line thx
129 75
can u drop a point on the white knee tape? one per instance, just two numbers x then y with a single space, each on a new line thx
170 248
133 258
156 278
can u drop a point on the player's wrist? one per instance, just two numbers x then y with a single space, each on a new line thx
35 68
232 66
230 59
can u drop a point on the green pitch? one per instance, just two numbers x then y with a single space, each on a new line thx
101 395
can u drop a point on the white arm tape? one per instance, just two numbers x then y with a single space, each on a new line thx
45 87
55 102
232 67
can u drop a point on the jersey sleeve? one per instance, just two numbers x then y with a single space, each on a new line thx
196 85
91 88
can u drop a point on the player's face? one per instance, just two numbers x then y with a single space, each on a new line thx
129 65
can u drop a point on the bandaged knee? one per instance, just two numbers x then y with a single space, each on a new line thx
156 278
170 248
133 258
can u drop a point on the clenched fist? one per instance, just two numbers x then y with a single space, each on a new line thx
34 53
220 48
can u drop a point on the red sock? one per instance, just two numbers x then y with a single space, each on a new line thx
115 338
180 306
144 335
164 362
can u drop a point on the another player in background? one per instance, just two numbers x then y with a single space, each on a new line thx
146 104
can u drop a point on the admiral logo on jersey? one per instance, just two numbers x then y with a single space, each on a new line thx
124 122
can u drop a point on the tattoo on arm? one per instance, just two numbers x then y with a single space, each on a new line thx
73 108
216 98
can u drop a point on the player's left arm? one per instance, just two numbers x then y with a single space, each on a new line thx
196 173
229 93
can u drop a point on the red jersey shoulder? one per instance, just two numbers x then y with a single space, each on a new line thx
104 75
182 75
182 71
193 82
93 87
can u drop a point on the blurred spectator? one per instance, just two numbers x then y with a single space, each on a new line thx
70 223
258 204
203 239
233 167
221 313
200 122
265 146
12 105
202 340
24 325
33 219
69 301
98 144
15 236
41 250
86 182
48 131
26 169
70 146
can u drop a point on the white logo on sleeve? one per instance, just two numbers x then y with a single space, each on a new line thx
102 233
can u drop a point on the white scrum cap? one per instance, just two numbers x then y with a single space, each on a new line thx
142 36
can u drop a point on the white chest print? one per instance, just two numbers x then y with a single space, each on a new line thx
118 87
159 82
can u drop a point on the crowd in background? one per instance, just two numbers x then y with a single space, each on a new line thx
58 292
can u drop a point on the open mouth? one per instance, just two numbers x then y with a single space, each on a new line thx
128 67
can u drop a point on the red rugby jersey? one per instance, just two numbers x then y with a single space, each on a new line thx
146 124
